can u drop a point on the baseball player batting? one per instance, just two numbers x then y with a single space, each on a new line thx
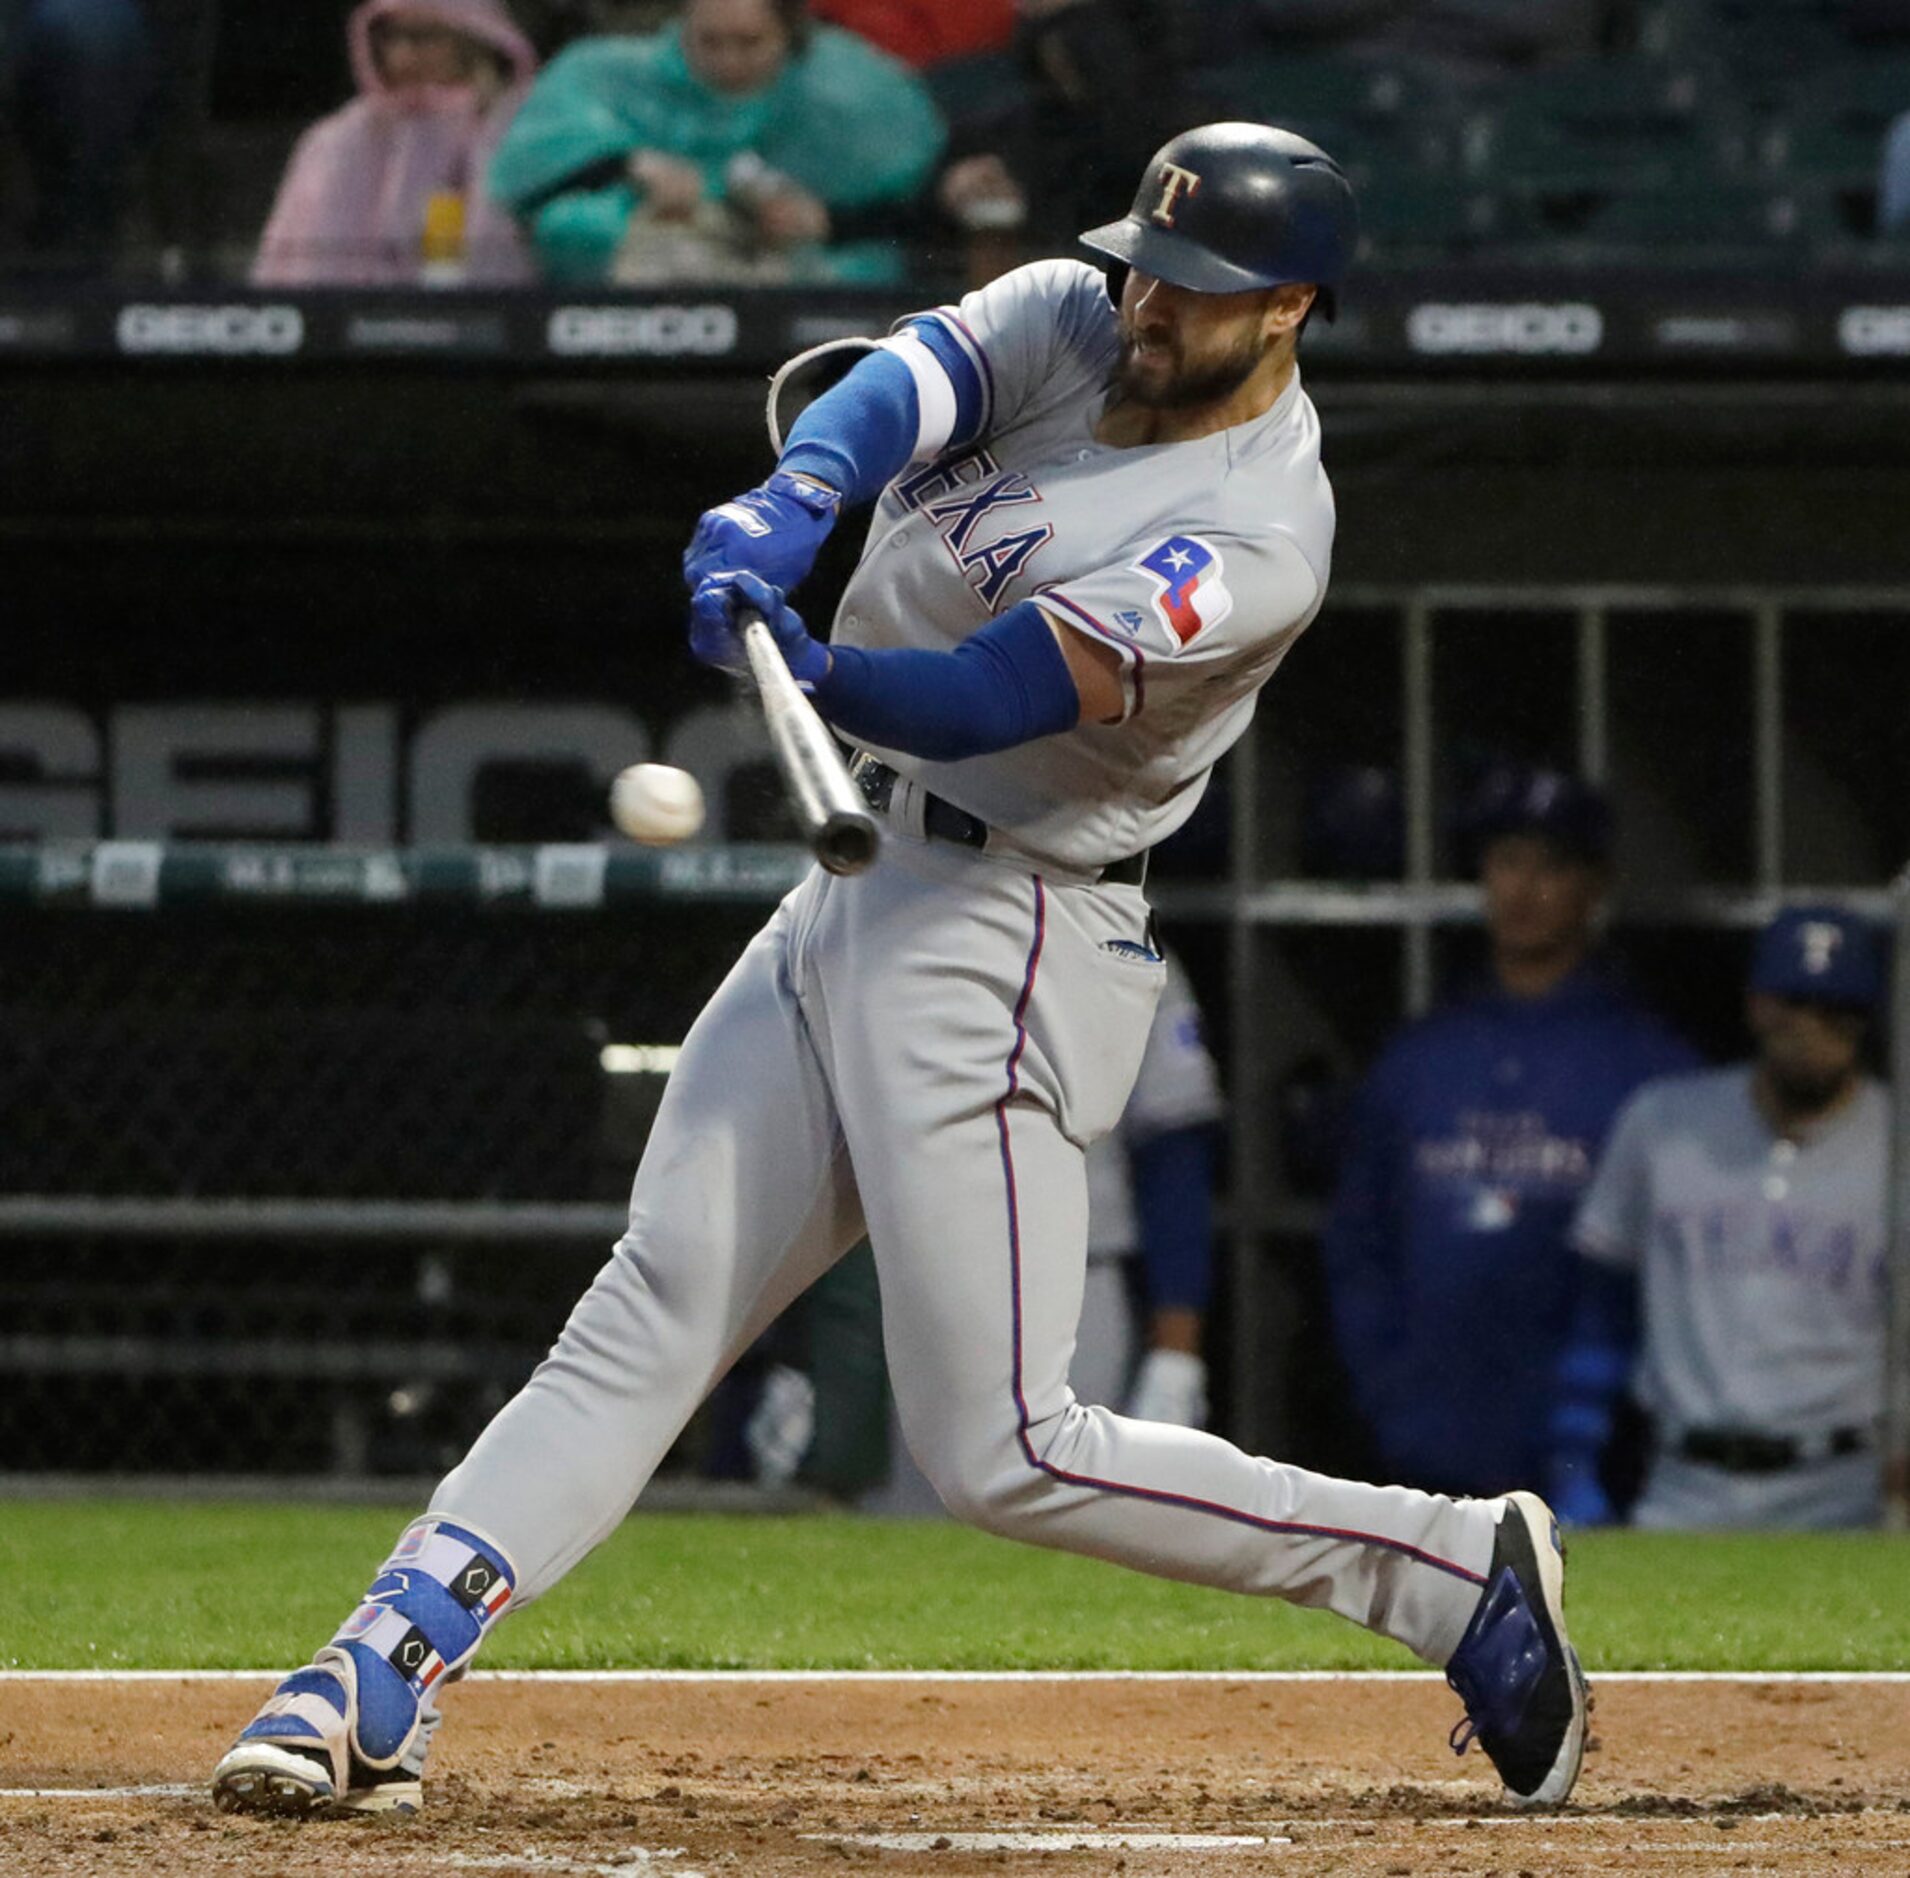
1099 525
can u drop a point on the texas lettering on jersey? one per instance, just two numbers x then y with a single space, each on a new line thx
958 494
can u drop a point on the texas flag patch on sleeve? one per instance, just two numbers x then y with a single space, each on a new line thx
1191 596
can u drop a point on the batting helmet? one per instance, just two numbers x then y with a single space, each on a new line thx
1230 207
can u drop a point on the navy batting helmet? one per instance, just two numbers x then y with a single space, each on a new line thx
1230 207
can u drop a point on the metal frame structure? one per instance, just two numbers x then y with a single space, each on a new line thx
1421 903
1249 903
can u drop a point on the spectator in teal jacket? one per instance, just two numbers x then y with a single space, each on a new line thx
742 142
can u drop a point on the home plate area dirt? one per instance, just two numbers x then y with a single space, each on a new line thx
1144 1779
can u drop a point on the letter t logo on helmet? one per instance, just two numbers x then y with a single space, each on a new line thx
1225 208
1175 182
1820 940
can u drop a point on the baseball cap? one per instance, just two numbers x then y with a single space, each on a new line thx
1821 955
1519 799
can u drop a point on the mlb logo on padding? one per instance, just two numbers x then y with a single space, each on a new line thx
1192 595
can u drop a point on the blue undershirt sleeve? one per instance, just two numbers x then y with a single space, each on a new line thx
1006 684
861 432
1595 1361
1174 1199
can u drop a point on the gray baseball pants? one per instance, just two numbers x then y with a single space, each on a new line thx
925 1051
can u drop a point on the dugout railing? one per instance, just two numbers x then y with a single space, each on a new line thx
1746 735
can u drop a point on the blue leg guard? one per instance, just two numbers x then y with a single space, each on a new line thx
421 1622
303 1708
350 1731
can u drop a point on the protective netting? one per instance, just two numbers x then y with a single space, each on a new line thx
203 1055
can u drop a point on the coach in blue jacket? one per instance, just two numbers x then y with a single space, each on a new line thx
1445 1251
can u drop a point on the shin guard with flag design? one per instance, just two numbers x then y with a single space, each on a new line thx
421 1620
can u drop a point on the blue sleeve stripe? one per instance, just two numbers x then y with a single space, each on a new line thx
959 354
975 346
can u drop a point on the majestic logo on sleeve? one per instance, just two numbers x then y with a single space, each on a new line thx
1192 595
1175 183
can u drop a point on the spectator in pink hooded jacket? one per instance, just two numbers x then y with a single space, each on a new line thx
389 190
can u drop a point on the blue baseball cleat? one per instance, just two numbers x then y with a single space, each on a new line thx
295 1757
1526 1697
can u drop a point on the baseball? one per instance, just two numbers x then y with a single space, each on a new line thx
651 802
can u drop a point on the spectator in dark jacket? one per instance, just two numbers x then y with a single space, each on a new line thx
1100 91
1445 1253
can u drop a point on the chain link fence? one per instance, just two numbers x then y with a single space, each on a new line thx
309 1188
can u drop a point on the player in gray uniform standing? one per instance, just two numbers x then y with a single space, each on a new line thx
1738 1216
1099 525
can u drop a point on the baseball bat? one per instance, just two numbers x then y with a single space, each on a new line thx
836 822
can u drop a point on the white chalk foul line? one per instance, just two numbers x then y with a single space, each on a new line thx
1053 1839
742 1677
637 1859
169 1791
1058 1839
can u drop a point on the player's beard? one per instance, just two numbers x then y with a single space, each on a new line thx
1804 1093
1183 390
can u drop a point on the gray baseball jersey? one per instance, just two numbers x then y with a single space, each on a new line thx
1761 1261
1201 563
925 1052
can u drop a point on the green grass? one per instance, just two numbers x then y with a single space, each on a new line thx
200 1586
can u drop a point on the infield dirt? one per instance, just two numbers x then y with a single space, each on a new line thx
784 1779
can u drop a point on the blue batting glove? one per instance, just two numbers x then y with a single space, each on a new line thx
715 640
773 531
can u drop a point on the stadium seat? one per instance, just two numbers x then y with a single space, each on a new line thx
1558 146
1362 110
1833 124
1764 45
1410 211
1829 135
1672 30
1876 22
1606 125
1709 216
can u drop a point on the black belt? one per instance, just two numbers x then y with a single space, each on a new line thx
943 821
1744 1451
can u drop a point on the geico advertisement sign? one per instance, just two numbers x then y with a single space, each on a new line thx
1527 327
1868 332
224 331
617 332
308 771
